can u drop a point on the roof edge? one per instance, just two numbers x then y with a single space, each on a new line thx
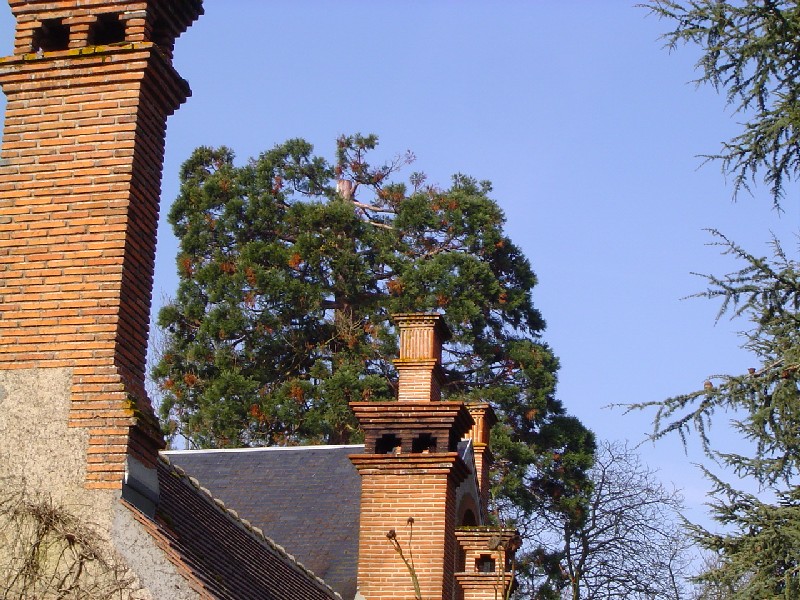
167 453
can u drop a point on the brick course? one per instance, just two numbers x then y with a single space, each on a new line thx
394 488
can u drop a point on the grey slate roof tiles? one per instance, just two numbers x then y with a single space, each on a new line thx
305 498
221 555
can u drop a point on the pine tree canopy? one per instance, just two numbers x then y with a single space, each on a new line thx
290 267
750 50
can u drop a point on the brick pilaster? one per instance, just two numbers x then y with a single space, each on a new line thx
80 179
484 417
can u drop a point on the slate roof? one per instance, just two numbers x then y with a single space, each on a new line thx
305 498
221 555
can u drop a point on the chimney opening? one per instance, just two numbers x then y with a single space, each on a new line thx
469 519
107 29
388 443
50 36
485 564
425 442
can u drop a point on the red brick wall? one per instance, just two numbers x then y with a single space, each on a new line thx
394 489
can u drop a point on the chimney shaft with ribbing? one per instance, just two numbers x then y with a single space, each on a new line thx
411 469
420 364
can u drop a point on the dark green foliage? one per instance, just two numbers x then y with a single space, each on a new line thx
759 555
760 551
289 270
750 49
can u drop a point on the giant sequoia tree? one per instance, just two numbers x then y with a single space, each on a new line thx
290 268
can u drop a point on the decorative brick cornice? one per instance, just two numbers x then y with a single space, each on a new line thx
158 21
95 65
449 463
444 422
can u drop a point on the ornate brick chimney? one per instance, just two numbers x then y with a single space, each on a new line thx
420 362
89 89
411 469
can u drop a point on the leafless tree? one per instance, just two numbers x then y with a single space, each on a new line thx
708 586
631 544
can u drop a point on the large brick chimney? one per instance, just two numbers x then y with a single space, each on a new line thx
89 89
411 469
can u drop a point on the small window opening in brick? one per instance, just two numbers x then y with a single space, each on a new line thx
108 29
388 443
469 519
425 442
485 564
51 35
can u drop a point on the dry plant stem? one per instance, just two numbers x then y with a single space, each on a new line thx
51 554
408 562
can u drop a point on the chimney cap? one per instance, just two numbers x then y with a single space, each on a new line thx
407 320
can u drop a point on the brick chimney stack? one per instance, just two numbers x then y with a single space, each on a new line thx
89 90
485 562
411 468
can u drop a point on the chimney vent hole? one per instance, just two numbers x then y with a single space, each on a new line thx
387 444
50 36
108 29
425 442
485 564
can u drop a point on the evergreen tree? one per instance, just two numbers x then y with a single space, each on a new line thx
750 49
759 548
290 268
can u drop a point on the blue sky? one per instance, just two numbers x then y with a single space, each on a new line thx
588 128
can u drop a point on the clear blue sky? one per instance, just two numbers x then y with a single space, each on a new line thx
588 128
